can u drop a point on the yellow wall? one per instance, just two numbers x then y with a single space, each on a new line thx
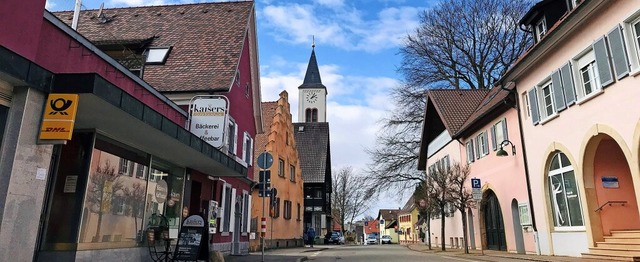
278 140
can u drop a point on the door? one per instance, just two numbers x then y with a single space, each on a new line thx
494 224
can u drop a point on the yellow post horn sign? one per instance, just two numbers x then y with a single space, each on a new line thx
59 117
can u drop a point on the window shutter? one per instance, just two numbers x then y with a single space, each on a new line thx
250 151
232 218
221 213
558 95
245 145
248 222
567 84
505 134
493 137
602 62
618 52
235 140
470 151
477 147
533 104
485 138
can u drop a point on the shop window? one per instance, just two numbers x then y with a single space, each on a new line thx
114 201
563 191
165 186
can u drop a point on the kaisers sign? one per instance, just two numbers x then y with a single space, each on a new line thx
208 117
59 117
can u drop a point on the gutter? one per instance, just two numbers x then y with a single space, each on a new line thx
526 167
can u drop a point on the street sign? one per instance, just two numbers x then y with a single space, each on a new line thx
366 223
265 160
381 221
477 194
475 183
264 191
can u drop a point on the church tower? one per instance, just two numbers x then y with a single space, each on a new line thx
312 94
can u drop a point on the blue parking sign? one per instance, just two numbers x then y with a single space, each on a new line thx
475 183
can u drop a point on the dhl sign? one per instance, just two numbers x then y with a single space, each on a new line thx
59 117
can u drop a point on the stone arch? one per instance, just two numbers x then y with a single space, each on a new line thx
604 148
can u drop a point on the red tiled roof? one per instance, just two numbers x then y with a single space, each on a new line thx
206 40
455 106
494 98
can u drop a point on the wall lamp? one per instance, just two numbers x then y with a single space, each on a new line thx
502 152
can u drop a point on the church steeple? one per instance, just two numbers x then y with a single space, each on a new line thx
312 94
312 77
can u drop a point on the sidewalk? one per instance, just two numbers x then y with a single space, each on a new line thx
492 255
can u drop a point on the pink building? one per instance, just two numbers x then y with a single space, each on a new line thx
567 185
577 91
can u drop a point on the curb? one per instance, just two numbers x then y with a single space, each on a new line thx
488 257
314 250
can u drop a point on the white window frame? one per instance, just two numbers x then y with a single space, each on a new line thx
470 152
292 173
499 135
560 172
232 137
542 103
246 214
247 149
527 105
633 41
482 144
586 60
541 29
225 214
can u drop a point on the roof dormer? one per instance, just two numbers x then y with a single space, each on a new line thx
543 15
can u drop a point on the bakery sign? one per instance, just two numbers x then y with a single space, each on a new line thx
208 116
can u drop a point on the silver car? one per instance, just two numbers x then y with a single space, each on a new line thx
372 240
386 239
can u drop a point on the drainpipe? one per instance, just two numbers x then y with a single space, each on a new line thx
526 166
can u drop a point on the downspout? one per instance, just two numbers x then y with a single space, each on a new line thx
526 167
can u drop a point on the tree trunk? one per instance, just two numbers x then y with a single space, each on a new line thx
429 228
464 230
442 229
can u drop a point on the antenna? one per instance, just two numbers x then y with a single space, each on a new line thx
100 11
76 15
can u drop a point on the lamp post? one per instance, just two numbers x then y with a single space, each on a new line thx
502 152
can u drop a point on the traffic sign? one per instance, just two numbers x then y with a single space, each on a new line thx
381 221
265 160
475 183
477 195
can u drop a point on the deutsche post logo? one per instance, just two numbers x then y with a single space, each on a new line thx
59 117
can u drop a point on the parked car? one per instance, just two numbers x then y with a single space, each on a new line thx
372 240
337 238
386 239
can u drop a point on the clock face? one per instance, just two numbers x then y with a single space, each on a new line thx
312 96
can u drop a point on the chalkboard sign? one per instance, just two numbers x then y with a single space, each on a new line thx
193 240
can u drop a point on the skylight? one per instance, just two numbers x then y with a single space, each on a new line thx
157 55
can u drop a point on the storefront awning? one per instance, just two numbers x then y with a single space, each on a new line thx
120 116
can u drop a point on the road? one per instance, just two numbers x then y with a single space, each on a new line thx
376 253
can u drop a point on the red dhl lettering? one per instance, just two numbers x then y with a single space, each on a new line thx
55 130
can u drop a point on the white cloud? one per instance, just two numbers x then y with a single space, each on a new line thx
49 5
339 26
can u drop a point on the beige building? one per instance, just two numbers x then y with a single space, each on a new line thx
284 219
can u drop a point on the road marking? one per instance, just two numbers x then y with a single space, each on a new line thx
315 254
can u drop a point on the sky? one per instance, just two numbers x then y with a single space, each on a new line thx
356 45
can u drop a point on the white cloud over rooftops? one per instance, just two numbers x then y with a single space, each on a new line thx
343 27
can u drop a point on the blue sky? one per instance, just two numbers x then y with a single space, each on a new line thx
356 42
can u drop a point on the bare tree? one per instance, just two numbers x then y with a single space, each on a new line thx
426 207
350 198
461 196
103 185
438 186
470 49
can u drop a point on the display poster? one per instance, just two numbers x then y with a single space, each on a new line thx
193 240
70 184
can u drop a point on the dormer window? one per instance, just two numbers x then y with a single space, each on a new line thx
157 55
541 29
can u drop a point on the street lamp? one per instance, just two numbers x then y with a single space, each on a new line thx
502 152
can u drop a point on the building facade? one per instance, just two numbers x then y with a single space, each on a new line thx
284 213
